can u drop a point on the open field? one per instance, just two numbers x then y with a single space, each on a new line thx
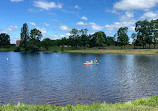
146 104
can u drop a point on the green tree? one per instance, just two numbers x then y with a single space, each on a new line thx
110 41
100 38
4 39
34 42
24 37
122 38
46 43
154 27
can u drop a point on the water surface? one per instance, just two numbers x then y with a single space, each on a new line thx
61 78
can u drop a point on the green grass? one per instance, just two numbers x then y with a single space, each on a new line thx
146 104
106 50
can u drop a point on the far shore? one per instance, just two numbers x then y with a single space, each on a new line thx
114 51
106 50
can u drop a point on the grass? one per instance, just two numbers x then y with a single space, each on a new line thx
146 104
114 51
107 50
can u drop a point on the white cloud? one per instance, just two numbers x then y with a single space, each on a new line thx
64 27
112 11
12 28
95 27
62 36
43 30
116 25
46 24
67 34
149 15
77 7
84 18
16 0
135 4
46 5
128 15
32 23
81 23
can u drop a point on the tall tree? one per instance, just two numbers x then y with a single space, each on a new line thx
4 39
24 36
154 27
34 42
100 38
122 38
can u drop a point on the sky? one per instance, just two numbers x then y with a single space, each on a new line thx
55 18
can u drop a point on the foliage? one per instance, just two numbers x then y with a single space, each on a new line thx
4 39
24 37
122 38
34 43
46 43
17 49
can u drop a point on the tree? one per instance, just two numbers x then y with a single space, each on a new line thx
110 41
144 33
100 38
46 43
24 37
154 27
134 37
73 38
34 42
122 36
4 39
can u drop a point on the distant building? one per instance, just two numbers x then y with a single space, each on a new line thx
18 42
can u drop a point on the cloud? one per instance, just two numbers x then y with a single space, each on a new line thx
112 11
12 28
95 27
128 15
46 5
77 7
64 27
84 18
16 0
149 15
116 25
135 4
62 36
81 23
45 24
32 23
43 30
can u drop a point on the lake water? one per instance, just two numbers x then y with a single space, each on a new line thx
61 78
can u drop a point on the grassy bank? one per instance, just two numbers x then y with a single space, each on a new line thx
107 50
115 51
146 104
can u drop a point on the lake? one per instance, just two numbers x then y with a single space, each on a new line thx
61 78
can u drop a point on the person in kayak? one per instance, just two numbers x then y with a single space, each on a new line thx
96 61
91 61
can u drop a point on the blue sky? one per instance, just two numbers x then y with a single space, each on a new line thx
55 18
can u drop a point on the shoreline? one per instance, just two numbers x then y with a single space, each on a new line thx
145 104
103 51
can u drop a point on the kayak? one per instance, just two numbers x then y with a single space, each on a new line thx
90 63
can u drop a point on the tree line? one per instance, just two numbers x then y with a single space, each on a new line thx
146 33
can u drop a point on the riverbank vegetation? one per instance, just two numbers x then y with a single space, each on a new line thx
146 104
145 37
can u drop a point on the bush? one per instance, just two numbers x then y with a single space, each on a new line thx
17 49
